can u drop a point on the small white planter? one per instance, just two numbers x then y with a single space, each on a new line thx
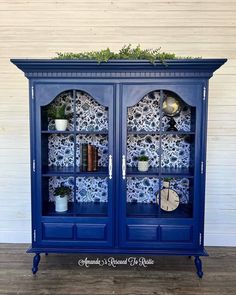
61 124
61 204
143 166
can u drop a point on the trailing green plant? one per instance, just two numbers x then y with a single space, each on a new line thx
62 191
143 158
167 179
126 52
57 112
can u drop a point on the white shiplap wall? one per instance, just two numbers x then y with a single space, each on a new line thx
38 29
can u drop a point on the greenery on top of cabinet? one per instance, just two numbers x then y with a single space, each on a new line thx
126 52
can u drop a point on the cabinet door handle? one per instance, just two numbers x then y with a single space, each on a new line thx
123 167
110 167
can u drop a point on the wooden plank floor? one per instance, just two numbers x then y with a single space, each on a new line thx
60 274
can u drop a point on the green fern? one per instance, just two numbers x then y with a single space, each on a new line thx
62 191
126 52
57 112
143 158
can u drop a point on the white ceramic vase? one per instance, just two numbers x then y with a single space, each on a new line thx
143 166
61 204
61 124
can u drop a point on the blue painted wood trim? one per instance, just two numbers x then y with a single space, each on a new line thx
59 65
32 159
203 158
114 251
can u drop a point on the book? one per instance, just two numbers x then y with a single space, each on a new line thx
95 158
80 152
84 156
90 158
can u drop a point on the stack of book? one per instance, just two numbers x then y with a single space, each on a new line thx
88 157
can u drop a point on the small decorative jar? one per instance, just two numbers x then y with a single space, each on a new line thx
143 164
61 124
61 203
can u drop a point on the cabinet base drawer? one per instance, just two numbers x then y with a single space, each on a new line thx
77 234
176 233
90 232
142 233
58 231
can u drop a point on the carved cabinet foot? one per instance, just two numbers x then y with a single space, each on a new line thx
198 264
36 261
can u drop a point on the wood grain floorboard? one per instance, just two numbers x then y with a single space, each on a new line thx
60 274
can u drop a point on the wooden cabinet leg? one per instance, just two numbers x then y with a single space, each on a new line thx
198 264
36 261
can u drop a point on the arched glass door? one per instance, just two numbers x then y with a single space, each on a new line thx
78 157
158 163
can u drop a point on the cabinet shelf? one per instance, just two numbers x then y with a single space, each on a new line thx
70 171
49 210
79 209
91 208
160 132
56 132
177 132
163 172
178 172
105 132
152 210
58 171
102 132
133 171
102 171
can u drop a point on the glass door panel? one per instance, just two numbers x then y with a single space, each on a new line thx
142 193
145 115
90 115
78 158
177 157
161 127
49 186
176 197
92 156
184 117
143 140
96 147
64 99
92 196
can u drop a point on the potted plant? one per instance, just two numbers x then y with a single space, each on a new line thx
58 114
143 164
166 182
61 194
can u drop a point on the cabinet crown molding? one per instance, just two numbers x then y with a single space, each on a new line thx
49 68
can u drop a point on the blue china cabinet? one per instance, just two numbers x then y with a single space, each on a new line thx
118 107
